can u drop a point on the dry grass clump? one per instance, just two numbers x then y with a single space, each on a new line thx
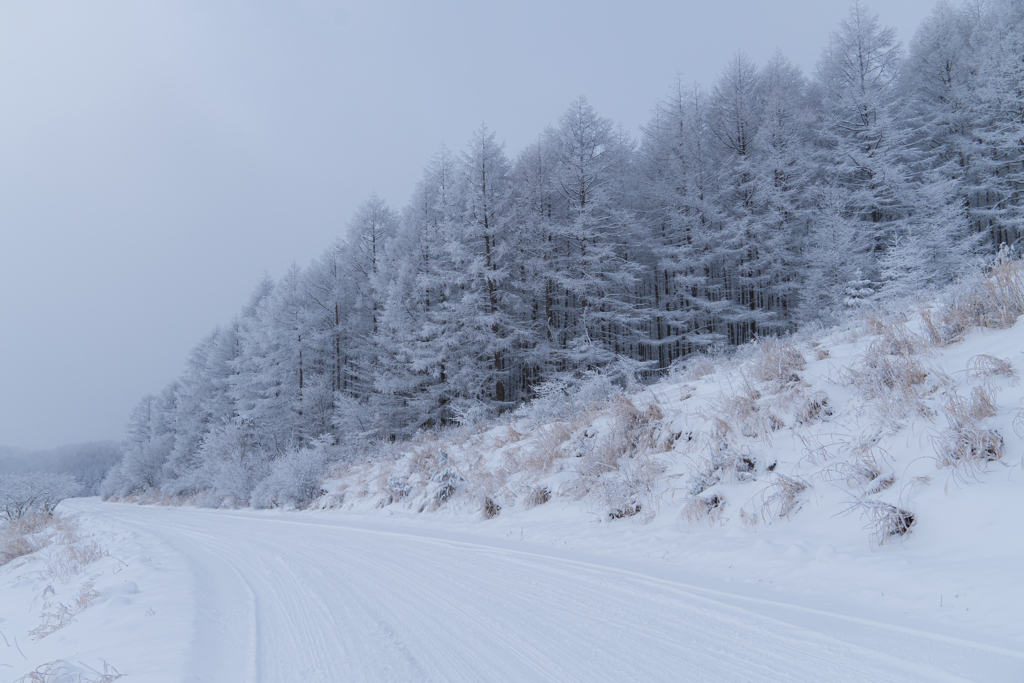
880 483
863 470
698 365
628 510
891 376
776 362
968 446
814 408
994 301
745 410
538 496
634 429
22 536
895 338
70 560
57 616
61 671
616 463
72 553
490 509
722 465
15 546
704 508
782 498
967 443
984 367
885 521
512 435
546 448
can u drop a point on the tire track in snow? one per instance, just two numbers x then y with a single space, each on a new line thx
297 601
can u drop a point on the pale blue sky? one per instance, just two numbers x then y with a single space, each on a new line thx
157 156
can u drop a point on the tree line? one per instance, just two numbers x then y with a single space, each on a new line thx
767 201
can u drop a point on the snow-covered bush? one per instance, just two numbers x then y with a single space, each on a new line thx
21 494
444 484
294 480
564 397
489 509
233 463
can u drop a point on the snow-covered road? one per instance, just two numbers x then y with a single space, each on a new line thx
278 598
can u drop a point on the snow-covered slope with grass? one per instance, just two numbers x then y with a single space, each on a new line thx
874 468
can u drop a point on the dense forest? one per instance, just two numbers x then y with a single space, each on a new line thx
769 201
88 463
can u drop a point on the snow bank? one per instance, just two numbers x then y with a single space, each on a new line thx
874 466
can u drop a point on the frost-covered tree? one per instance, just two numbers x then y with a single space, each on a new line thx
862 144
743 210
40 492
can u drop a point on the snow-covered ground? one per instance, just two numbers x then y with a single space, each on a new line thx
208 595
843 506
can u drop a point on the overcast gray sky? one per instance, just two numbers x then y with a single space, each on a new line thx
157 157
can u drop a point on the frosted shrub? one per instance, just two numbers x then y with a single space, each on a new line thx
294 479
444 484
560 399
40 492
233 463
398 486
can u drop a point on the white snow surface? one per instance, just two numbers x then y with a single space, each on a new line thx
371 589
208 595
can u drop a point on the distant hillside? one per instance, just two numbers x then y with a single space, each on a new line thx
89 462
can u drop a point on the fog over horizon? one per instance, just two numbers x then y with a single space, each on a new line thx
158 158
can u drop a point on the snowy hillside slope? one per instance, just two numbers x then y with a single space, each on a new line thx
844 504
874 468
